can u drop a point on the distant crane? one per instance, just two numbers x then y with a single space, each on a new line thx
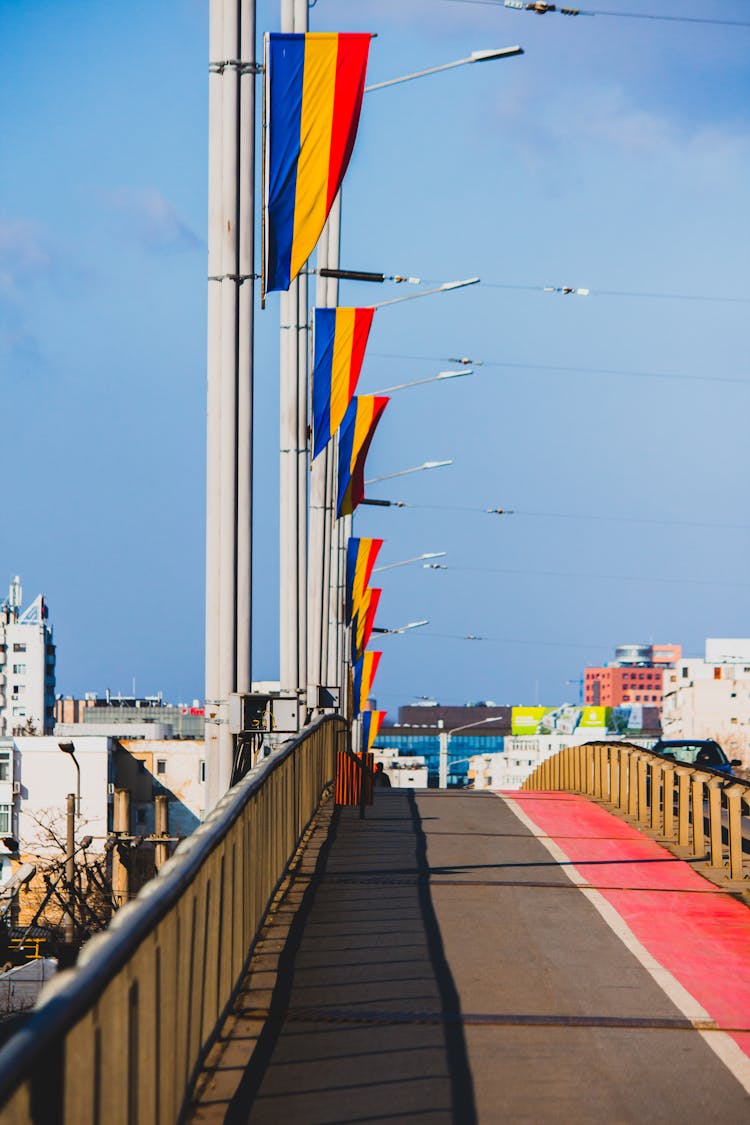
580 687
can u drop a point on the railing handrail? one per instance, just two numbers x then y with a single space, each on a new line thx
70 994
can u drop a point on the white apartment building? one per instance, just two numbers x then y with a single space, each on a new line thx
402 772
710 698
27 666
522 754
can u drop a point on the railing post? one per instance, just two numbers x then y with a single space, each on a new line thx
714 822
589 761
642 770
597 764
683 805
699 835
633 785
668 802
657 773
734 806
624 778
614 775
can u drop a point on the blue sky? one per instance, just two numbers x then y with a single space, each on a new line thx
614 155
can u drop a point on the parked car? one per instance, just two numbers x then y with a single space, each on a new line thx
696 752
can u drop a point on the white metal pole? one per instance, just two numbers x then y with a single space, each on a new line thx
293 424
213 401
443 767
303 350
248 80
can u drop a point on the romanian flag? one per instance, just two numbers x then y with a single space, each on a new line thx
314 88
340 342
357 431
360 560
372 721
364 674
364 619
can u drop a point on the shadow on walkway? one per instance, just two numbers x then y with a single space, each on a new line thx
376 952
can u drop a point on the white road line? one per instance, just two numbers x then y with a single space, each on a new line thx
732 1055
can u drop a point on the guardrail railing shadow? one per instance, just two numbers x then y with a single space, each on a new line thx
120 1037
693 808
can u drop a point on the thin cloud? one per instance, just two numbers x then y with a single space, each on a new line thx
153 222
25 255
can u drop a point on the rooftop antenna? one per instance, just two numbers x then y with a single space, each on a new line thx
15 594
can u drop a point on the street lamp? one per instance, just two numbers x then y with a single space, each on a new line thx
401 628
69 749
444 738
417 558
474 57
420 382
405 472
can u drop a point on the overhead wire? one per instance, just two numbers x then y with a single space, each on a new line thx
520 571
566 11
570 516
616 372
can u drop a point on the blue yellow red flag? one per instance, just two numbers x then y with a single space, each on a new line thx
314 88
357 431
371 724
340 341
360 560
364 619
364 672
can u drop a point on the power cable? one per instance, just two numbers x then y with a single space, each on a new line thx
565 515
608 371
583 574
543 8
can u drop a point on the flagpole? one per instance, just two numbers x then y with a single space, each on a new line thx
248 79
293 455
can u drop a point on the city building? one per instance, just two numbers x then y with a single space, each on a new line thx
403 772
128 716
417 732
635 676
710 698
27 666
36 776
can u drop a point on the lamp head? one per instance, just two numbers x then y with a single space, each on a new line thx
67 747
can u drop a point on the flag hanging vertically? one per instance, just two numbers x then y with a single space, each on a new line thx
357 431
314 88
371 724
364 619
340 342
364 674
360 560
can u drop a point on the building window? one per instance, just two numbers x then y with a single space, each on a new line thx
202 773
5 823
4 765
717 673
684 673
140 816
19 669
19 648
19 712
161 765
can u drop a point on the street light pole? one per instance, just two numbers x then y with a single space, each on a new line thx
444 738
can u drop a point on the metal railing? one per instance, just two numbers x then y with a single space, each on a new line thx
121 1037
690 807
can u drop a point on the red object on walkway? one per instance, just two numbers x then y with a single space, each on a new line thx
349 778
698 932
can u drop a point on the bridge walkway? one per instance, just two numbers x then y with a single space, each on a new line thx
526 958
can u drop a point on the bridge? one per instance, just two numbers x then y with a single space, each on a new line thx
576 951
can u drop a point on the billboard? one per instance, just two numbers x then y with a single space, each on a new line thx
527 720
560 720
